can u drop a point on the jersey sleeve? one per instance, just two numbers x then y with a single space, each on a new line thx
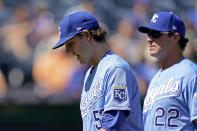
121 85
190 94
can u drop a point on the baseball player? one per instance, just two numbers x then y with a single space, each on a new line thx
171 100
110 97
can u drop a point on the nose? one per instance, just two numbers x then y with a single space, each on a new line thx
149 39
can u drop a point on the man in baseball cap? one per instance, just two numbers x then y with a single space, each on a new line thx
171 99
110 98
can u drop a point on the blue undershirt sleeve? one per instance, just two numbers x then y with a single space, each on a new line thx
113 119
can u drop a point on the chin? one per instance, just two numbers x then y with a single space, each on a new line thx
153 53
156 56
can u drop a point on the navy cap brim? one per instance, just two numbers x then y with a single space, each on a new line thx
145 29
62 41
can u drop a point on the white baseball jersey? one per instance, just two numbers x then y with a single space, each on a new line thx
110 86
171 100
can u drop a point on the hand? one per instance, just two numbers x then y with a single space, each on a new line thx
102 129
196 122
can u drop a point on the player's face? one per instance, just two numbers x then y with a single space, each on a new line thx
159 44
78 47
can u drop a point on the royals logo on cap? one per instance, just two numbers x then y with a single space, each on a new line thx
78 28
154 18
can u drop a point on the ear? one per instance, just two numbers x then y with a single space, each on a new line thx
86 34
176 36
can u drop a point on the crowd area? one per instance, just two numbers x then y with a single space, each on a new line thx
32 73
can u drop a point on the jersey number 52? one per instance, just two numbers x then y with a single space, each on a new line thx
98 115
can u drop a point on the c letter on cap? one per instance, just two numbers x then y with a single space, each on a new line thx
154 18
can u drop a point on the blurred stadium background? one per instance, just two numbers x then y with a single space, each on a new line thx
40 87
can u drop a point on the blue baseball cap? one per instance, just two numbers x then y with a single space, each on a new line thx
164 22
73 24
